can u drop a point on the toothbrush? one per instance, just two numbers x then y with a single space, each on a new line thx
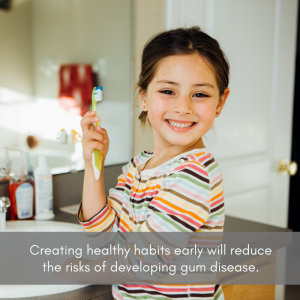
97 155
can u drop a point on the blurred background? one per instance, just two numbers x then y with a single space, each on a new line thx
52 51
44 46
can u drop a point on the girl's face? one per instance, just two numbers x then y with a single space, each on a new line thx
182 100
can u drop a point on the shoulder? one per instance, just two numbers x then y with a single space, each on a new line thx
197 167
212 168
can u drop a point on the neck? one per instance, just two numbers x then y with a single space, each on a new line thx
164 150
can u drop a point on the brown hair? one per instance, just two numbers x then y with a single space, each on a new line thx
182 41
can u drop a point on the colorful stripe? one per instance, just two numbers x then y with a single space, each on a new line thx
182 195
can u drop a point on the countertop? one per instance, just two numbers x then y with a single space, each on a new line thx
232 224
103 292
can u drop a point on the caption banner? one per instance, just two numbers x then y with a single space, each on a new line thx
149 258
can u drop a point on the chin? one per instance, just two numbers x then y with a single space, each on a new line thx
179 141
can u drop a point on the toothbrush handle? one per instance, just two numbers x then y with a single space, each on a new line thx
94 109
98 154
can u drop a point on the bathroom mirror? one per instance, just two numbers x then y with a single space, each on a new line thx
37 38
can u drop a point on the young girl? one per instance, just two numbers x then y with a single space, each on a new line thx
183 86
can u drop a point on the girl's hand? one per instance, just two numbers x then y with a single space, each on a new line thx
93 139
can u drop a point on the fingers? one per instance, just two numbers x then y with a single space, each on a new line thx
95 145
87 121
91 145
89 113
94 135
96 140
93 138
104 134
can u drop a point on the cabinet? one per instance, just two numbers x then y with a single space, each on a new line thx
249 292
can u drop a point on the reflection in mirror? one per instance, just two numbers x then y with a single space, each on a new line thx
52 53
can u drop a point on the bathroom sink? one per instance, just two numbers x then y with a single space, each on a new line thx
20 291
42 226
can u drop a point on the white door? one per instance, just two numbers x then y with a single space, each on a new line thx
254 130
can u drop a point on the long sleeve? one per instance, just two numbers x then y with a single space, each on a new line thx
107 220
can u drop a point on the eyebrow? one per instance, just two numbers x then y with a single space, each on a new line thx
177 84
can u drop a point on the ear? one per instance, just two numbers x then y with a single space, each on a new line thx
222 100
143 100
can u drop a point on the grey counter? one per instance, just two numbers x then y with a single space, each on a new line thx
232 224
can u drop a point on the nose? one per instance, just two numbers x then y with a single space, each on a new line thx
183 106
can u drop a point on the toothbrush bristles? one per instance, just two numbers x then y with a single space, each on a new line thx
98 93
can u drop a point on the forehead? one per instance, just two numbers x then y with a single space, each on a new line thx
185 68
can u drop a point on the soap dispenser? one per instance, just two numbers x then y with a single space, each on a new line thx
43 191
21 194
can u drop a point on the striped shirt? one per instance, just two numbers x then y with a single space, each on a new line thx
182 195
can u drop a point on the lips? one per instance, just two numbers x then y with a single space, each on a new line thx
180 126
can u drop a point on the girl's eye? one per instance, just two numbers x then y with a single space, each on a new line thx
200 95
168 92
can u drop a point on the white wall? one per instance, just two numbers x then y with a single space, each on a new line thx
15 47
79 31
150 19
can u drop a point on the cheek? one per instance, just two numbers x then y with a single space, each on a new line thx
157 108
207 114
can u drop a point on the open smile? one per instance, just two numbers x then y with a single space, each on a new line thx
180 126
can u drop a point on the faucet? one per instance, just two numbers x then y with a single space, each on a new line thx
4 203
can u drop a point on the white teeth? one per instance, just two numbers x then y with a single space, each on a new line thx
181 125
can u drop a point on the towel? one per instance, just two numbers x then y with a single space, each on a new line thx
76 86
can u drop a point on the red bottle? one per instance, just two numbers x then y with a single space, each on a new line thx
21 194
